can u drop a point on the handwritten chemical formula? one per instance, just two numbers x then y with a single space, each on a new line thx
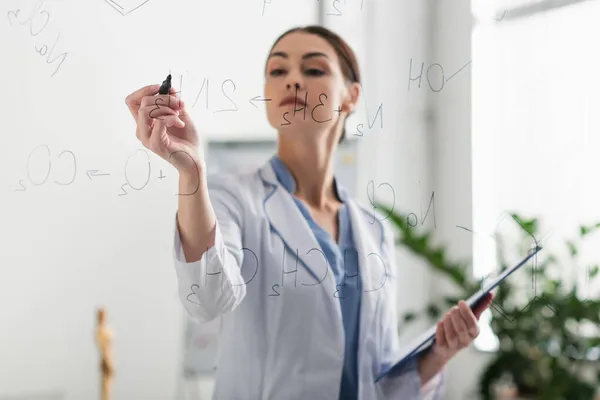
45 166
232 104
289 277
42 162
35 23
434 72
337 9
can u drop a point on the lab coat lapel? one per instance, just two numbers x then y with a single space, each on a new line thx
368 236
288 222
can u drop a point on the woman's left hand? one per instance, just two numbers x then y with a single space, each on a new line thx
458 328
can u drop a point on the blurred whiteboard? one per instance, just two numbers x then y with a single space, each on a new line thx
200 353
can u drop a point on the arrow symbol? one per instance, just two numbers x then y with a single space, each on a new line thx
94 172
257 98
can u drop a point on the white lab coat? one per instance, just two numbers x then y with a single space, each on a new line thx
282 333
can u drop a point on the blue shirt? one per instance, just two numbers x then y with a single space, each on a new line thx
343 260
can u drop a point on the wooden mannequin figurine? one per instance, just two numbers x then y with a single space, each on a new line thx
103 339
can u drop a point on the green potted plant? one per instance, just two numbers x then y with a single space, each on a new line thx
542 349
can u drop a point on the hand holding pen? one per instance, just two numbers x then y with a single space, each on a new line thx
165 127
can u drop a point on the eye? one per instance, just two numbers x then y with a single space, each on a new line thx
315 72
277 72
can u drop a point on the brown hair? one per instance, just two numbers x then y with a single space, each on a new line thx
348 62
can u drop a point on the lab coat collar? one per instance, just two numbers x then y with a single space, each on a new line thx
287 221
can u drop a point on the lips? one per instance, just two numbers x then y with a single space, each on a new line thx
291 101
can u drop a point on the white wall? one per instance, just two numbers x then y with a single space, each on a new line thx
452 24
398 154
425 145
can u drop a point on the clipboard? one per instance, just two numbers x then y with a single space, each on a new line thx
426 340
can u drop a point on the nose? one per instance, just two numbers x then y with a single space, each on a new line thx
294 80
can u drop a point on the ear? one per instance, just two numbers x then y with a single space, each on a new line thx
351 98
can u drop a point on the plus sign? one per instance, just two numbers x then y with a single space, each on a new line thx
339 110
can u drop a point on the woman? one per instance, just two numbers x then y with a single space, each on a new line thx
303 278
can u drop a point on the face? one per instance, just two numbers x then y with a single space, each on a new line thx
308 92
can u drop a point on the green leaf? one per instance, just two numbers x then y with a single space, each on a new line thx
593 271
572 248
529 226
583 230
433 311
586 230
409 317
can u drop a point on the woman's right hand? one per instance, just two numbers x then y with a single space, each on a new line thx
165 127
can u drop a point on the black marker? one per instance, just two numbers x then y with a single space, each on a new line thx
166 86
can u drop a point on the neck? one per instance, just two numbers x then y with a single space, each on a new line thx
311 165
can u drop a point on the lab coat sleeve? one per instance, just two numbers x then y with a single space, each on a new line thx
213 285
405 383
434 389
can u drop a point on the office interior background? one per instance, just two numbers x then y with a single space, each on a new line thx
473 108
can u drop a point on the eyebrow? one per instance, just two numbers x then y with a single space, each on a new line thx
283 54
